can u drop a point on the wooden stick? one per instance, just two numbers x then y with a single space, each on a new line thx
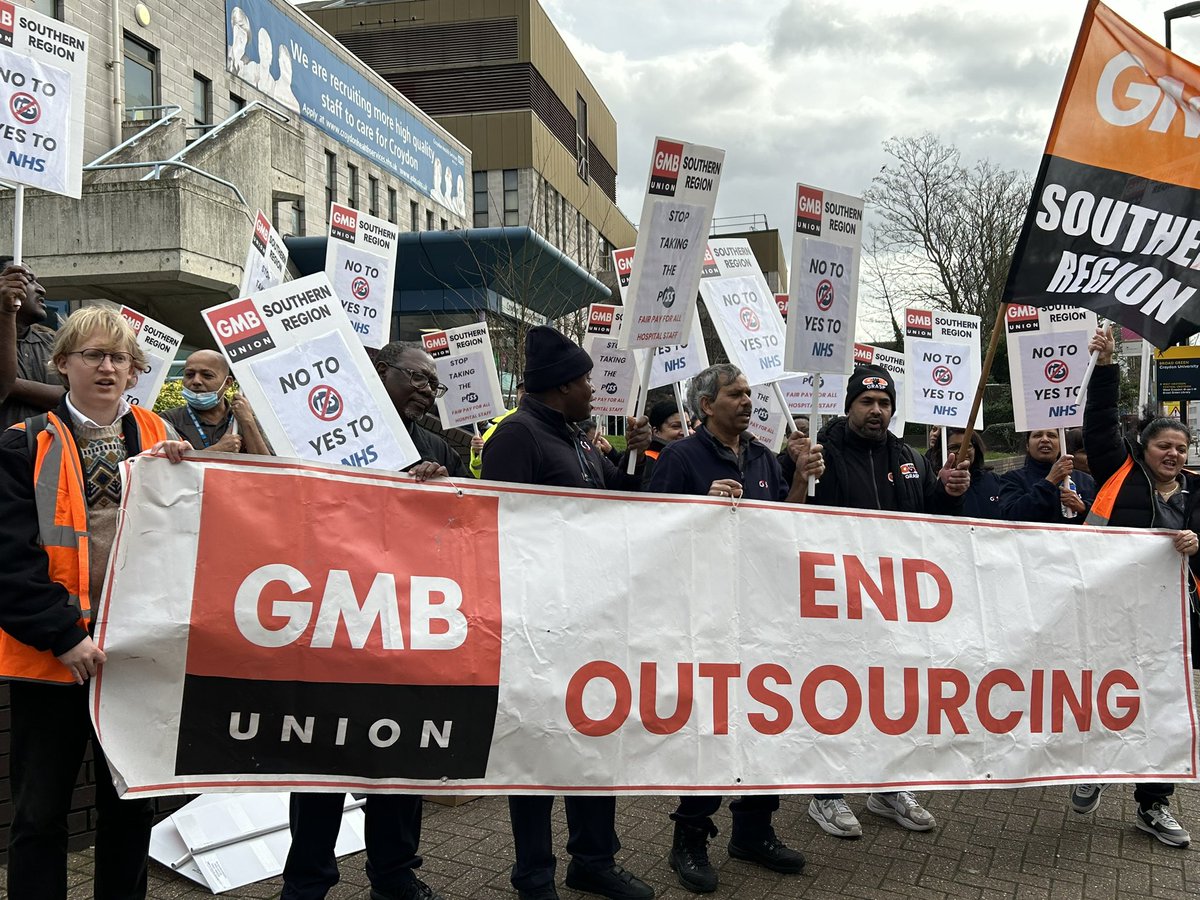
977 400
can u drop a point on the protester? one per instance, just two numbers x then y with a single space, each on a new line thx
721 459
29 383
982 499
1141 487
867 467
60 491
1076 450
477 442
208 419
393 821
591 430
665 428
539 444
1041 490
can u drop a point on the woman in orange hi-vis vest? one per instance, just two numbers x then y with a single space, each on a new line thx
1141 487
60 490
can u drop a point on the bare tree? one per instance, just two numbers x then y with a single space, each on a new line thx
944 234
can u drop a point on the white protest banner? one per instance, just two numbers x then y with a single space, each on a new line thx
615 371
466 365
308 379
918 651
798 390
893 363
43 63
743 310
266 260
676 214
1047 356
824 284
159 345
360 260
944 362
766 419
676 362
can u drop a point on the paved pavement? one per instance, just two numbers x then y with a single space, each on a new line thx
989 845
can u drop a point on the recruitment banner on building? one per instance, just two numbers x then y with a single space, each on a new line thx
826 245
159 345
360 262
266 260
614 371
681 195
1114 221
944 362
308 378
1047 356
824 649
467 366
742 309
895 364
43 64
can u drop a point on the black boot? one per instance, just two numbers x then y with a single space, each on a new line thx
689 858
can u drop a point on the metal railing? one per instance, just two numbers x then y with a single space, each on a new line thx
130 141
158 165
752 222
215 130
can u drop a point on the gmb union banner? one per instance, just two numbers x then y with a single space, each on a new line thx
442 641
1114 222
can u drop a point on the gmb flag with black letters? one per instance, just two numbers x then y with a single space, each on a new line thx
1114 222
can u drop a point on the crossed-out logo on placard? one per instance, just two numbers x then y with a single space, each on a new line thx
664 171
344 223
1020 317
808 210
1057 371
240 329
918 323
436 344
600 319
8 21
378 660
824 295
709 269
262 233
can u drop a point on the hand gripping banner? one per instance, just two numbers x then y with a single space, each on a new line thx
274 625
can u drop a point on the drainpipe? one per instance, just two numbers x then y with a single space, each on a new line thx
115 68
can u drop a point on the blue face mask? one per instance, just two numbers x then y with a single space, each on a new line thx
202 400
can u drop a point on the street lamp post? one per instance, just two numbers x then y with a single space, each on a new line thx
1183 11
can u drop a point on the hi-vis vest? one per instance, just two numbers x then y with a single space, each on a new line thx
63 532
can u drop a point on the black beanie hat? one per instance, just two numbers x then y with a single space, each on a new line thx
661 411
551 359
869 378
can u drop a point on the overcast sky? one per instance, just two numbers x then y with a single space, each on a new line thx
808 90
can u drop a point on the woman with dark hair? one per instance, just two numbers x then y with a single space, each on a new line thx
1047 488
982 499
1142 487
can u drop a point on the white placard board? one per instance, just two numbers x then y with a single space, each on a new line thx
360 261
159 344
266 260
826 245
467 366
798 391
766 419
1047 356
743 310
944 363
676 215
308 378
615 371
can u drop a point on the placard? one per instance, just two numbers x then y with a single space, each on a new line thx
266 260
360 261
742 308
159 345
942 351
615 371
1047 357
467 366
798 391
766 419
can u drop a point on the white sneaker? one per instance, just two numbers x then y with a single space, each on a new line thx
834 817
903 809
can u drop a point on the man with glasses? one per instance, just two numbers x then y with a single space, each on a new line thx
393 821
29 384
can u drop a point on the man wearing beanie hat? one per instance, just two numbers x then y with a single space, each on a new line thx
868 467
540 444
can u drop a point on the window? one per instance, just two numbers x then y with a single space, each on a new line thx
557 220
236 103
50 8
579 248
414 216
352 187
445 225
605 255
201 101
392 206
287 214
480 200
511 214
546 217
141 80
581 138
587 243
429 220
330 179
373 195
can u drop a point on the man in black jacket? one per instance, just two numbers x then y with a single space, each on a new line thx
867 467
540 444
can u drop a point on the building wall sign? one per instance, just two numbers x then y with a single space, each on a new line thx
267 49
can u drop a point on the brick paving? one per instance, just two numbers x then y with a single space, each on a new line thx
989 845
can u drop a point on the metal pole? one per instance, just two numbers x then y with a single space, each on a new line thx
18 222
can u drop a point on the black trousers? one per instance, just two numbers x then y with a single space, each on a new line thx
50 733
591 836
751 814
392 832
1148 794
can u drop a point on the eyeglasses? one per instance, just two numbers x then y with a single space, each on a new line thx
92 358
421 380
